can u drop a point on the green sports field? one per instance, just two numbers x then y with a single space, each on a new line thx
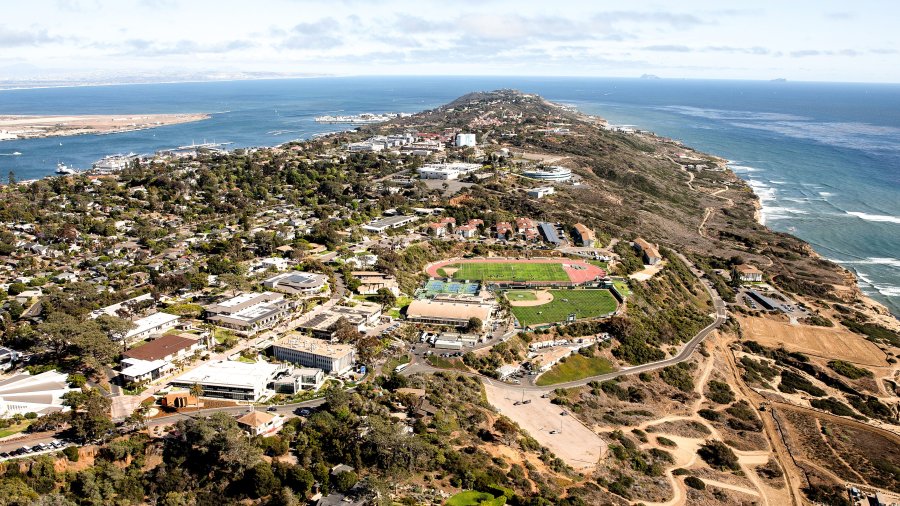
509 271
584 303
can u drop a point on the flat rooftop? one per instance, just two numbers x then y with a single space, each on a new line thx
299 342
230 373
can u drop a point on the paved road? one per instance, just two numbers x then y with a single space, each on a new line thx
418 365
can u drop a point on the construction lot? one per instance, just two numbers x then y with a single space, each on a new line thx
565 436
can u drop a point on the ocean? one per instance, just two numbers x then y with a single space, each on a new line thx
824 158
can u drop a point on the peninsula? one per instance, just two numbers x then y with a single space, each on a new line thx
498 301
14 127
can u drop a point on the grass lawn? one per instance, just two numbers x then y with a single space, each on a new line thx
574 368
584 303
15 428
245 360
392 364
600 263
622 287
509 271
446 363
222 335
473 498
521 295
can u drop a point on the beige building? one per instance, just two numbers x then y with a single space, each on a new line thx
447 313
311 352
650 253
748 273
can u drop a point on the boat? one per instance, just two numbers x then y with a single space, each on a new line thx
16 153
366 118
63 169
113 163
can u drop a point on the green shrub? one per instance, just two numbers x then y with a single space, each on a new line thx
849 370
719 392
695 483
71 453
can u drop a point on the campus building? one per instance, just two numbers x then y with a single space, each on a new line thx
439 312
447 171
584 236
465 140
389 222
311 352
748 273
249 312
297 283
650 253
324 324
549 174
227 379
157 323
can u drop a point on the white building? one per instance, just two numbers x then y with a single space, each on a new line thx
296 282
227 379
389 222
157 323
41 393
465 140
261 423
549 174
250 312
540 192
447 171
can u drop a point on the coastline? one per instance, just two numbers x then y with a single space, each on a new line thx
26 127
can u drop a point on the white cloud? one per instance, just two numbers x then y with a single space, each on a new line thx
467 36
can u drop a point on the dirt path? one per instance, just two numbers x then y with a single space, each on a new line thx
706 213
773 434
729 486
836 454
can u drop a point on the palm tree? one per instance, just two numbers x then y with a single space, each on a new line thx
197 390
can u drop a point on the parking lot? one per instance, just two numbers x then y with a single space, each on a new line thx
563 434
15 449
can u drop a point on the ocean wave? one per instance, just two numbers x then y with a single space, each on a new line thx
741 168
852 135
892 262
826 194
883 218
725 114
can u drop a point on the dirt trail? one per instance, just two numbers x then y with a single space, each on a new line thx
776 442
836 454
729 486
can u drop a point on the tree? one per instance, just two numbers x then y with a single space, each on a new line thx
16 288
90 417
386 298
260 481
475 324
196 391
345 480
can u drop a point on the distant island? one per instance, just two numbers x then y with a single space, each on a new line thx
33 127
650 76
779 80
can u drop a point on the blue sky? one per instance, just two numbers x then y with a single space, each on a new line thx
797 40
